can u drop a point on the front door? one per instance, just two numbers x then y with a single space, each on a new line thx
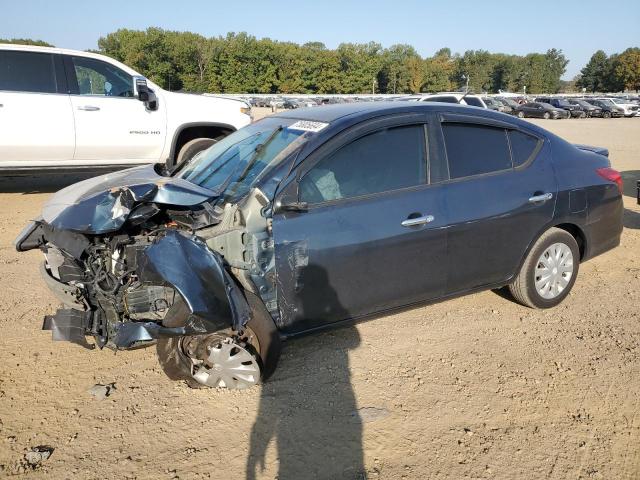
373 236
111 124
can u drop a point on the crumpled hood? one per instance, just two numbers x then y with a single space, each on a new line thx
102 204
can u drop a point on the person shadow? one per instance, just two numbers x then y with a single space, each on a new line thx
309 407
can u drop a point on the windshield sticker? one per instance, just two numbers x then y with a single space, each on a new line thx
308 126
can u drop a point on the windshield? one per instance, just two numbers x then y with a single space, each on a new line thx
563 103
606 101
231 166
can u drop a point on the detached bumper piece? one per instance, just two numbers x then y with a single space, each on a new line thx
69 325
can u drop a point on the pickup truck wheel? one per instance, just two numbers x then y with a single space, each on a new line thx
191 148
549 271
223 359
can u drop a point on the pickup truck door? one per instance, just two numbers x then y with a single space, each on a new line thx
111 123
36 120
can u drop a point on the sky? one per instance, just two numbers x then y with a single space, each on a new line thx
577 27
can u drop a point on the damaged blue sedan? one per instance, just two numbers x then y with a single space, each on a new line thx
316 217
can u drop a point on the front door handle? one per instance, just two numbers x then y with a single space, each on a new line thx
89 108
412 222
541 198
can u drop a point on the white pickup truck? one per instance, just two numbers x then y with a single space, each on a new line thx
66 110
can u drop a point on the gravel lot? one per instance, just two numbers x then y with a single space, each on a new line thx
477 387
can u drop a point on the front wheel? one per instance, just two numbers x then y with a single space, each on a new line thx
224 359
549 271
520 114
606 115
546 116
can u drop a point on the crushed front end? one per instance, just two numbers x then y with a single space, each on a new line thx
141 270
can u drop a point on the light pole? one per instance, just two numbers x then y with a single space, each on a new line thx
373 87
466 78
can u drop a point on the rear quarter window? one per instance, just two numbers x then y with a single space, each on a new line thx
523 146
475 149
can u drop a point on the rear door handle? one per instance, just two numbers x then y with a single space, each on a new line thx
89 108
541 198
412 222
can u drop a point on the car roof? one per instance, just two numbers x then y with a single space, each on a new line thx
364 110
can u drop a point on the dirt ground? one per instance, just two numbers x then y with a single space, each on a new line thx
477 387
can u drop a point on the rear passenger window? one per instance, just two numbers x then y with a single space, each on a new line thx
386 160
27 72
522 146
475 149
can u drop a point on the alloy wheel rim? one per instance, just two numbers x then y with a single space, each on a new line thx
554 270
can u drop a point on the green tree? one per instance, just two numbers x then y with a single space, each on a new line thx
627 69
26 41
593 74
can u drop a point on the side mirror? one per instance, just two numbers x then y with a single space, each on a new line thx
145 94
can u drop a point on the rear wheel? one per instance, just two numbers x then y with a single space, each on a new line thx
520 114
224 359
548 272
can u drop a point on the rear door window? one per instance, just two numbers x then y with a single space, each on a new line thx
386 160
22 71
475 149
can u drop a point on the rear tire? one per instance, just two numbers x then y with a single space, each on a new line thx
191 148
530 281
266 345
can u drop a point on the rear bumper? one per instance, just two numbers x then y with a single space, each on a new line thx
604 225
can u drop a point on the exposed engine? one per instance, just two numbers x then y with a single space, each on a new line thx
164 273
105 283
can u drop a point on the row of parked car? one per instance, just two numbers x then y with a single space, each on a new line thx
558 107
523 107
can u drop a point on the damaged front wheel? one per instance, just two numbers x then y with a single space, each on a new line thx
223 359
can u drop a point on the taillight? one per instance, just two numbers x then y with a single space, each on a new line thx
611 175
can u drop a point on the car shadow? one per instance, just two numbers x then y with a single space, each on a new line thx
42 183
631 219
308 406
630 180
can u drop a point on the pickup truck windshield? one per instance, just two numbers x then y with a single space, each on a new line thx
231 166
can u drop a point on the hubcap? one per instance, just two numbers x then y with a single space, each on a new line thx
554 271
222 362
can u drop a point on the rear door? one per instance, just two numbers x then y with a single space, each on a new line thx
373 236
500 196
36 120
111 123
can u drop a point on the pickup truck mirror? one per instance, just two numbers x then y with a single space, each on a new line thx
144 93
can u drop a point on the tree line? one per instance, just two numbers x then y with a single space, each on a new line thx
241 63
613 73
